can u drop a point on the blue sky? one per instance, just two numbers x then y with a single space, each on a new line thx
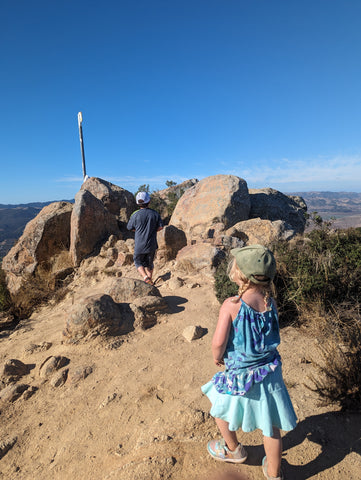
269 90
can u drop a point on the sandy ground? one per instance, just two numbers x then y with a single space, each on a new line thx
141 415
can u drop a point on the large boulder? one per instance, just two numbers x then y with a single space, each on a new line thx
116 200
128 289
164 201
170 241
200 258
97 314
91 224
263 232
270 204
47 235
220 199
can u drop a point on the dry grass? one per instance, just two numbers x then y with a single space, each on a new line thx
338 378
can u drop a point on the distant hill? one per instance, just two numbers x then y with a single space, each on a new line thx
13 219
343 207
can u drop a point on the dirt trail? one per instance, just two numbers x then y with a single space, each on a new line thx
141 415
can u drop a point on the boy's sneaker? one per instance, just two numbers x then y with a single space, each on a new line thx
264 468
219 451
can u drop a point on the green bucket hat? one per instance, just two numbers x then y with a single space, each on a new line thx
255 260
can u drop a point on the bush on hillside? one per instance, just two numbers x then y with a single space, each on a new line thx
5 300
323 265
338 378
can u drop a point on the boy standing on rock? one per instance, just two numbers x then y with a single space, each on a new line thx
146 223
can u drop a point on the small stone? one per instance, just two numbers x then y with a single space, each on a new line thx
51 364
29 392
175 283
110 398
6 445
13 392
79 374
15 368
42 347
193 332
59 378
193 285
304 360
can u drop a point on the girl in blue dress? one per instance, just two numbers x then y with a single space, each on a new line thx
250 392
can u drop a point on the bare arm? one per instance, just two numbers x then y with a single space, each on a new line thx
221 334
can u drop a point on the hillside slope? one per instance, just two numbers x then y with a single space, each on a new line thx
140 414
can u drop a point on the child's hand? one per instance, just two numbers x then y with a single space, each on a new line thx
219 362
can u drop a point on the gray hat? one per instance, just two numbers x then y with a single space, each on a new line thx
255 260
142 198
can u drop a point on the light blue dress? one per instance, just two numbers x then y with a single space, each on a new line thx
250 392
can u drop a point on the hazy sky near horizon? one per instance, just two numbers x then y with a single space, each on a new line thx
268 90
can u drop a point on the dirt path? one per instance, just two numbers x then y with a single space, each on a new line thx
141 415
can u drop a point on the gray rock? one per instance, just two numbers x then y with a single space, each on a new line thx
264 232
7 445
96 315
116 200
270 204
14 368
220 199
12 392
170 240
199 258
91 223
59 378
45 236
51 364
128 289
79 374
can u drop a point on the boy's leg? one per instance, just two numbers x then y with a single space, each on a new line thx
150 264
139 262
273 449
229 436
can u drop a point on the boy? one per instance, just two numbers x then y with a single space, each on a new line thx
146 223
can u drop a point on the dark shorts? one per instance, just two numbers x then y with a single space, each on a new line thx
144 260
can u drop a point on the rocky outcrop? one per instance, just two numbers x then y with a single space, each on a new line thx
91 223
199 258
170 241
220 199
270 204
116 200
128 289
164 201
260 231
97 314
44 237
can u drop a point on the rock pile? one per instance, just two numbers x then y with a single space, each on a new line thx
211 217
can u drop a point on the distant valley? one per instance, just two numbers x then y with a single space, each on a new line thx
344 207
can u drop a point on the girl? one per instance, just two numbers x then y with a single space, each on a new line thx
250 392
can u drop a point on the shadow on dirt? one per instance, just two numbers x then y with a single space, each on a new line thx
174 303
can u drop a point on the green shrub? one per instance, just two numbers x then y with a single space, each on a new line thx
223 286
323 265
5 301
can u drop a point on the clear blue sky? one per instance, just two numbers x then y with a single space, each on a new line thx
269 90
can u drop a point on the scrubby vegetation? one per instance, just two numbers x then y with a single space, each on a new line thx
319 288
5 301
165 206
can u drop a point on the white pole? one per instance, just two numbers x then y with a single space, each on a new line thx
80 121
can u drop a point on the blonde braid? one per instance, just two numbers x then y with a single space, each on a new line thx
269 291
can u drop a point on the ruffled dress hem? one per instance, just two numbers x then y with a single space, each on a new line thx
266 405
